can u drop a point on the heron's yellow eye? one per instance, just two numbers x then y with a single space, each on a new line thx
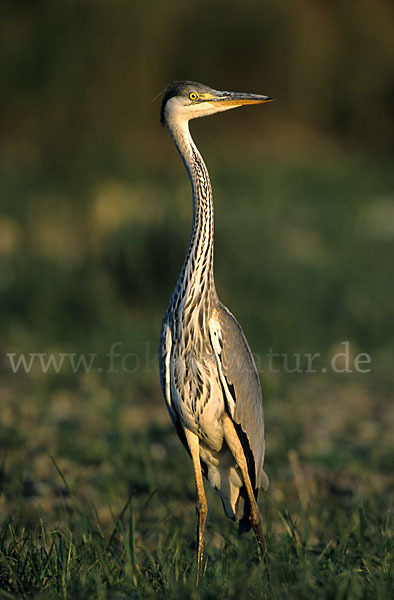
193 96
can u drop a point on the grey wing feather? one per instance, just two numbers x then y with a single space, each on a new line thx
165 347
240 372
164 356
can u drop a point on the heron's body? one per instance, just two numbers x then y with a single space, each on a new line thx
207 372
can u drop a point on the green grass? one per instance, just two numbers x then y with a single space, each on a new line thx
96 492
112 516
324 541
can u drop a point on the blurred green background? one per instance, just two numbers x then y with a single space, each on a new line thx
95 219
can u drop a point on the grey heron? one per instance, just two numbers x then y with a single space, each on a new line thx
208 376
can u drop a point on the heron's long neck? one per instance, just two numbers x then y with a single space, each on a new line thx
195 290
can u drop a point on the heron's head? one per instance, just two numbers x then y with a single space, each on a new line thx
185 100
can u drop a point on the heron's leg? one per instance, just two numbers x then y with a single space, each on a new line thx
201 502
232 440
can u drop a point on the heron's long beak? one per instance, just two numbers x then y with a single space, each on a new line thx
235 98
